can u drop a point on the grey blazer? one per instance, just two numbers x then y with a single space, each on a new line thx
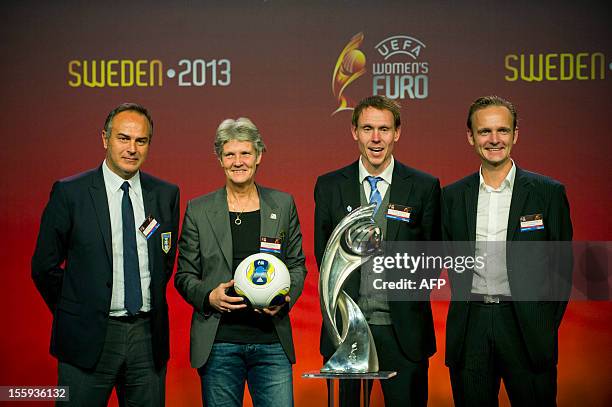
205 261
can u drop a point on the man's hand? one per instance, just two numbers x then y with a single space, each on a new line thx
222 302
271 311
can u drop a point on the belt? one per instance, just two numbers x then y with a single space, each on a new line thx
490 299
130 319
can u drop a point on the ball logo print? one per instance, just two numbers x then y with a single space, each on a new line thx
260 271
263 280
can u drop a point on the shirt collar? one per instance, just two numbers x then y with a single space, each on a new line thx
508 182
113 181
386 175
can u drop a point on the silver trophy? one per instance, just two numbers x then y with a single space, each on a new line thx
352 243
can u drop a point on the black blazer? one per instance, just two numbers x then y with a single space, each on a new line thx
72 265
335 192
539 320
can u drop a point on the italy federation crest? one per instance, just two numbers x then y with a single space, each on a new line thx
166 241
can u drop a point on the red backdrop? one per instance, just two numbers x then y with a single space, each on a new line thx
281 57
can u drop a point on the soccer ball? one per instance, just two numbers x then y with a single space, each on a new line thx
263 280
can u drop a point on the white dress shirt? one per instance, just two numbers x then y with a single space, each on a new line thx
114 195
492 226
383 185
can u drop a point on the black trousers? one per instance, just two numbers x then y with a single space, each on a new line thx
494 350
407 389
126 364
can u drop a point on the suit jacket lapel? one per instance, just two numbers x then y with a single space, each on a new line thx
470 199
148 199
351 199
401 188
219 220
471 206
97 191
520 191
349 188
270 214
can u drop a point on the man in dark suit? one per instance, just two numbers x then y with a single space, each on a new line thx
105 252
502 323
403 331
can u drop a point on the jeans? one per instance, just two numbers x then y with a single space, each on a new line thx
265 368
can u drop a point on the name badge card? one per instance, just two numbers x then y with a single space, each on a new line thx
399 212
270 244
532 222
149 226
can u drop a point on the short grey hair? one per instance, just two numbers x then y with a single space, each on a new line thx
241 129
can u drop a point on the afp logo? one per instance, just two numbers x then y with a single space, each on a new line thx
398 69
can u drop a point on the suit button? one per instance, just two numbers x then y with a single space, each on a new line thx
109 284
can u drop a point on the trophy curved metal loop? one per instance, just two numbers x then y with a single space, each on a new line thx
353 242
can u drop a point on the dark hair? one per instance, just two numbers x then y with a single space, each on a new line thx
486 101
125 107
380 103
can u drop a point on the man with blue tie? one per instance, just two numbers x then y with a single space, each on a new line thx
403 330
104 255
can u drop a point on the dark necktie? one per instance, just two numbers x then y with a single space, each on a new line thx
375 196
131 270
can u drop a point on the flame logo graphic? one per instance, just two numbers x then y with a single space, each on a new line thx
349 67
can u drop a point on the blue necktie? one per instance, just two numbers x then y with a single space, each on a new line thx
131 270
375 196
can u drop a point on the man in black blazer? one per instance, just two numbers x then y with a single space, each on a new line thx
105 252
503 318
403 331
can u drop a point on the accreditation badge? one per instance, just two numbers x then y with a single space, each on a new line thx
148 227
166 241
270 244
532 222
399 212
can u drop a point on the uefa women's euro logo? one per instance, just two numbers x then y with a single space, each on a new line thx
398 70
